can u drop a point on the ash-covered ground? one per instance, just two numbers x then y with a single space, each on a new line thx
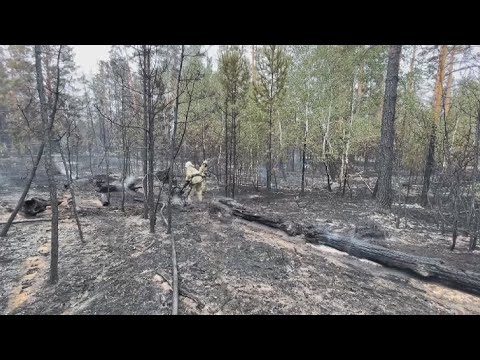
226 265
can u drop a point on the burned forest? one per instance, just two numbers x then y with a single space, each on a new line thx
239 179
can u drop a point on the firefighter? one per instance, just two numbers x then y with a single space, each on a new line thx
194 179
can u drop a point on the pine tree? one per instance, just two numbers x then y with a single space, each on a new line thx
269 89
235 78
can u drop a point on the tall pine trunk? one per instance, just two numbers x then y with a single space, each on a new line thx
269 164
384 193
145 131
172 146
47 126
437 108
304 153
227 152
151 150
234 153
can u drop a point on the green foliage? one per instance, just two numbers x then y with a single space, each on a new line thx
330 97
234 75
272 76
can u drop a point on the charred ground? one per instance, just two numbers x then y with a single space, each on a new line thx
226 265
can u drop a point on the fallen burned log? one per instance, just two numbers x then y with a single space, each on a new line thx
426 268
109 188
159 176
101 179
35 206
274 222
432 269
114 183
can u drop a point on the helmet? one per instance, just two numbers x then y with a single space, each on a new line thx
188 164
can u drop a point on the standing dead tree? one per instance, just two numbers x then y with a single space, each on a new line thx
153 63
48 121
170 182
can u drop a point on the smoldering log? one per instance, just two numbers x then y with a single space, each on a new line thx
101 179
106 184
109 188
161 176
131 185
114 183
35 205
431 269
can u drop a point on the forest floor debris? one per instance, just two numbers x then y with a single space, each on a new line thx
225 267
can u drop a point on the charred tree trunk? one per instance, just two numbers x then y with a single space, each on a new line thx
437 109
124 170
345 178
76 159
204 152
269 163
47 126
107 163
226 151
384 194
375 190
327 171
454 235
234 152
428 167
365 158
124 149
282 169
326 156
90 158
151 151
293 160
52 187
406 197
474 234
172 148
145 126
304 151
